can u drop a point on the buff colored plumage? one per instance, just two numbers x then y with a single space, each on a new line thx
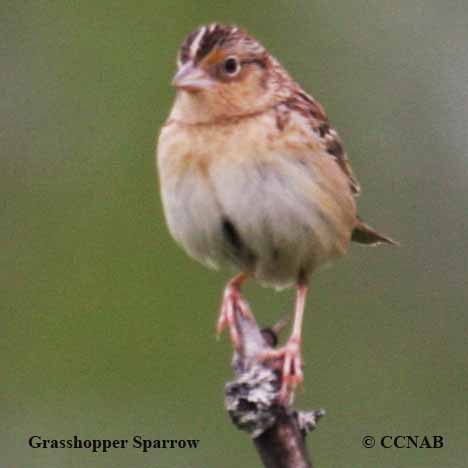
253 176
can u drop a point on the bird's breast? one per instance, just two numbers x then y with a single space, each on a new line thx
248 196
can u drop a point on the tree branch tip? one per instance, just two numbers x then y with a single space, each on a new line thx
252 400
308 420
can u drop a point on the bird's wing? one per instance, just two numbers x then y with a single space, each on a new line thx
319 124
332 145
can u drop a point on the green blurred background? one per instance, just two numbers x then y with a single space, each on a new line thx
107 328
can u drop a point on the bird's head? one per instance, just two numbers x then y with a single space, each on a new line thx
224 72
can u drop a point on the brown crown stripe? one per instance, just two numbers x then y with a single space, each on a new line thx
215 37
185 47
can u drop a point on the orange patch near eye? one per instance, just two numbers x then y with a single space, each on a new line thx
217 55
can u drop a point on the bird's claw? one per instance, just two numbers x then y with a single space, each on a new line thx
232 304
289 360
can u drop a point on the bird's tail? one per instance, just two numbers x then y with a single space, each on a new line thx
364 234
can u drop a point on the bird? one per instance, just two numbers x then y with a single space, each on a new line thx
254 177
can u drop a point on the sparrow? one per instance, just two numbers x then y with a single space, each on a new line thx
254 177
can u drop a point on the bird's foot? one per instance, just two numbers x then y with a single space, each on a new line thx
232 303
288 360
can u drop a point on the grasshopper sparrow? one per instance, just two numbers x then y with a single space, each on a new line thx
253 176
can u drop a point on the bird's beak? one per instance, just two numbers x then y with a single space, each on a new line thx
191 78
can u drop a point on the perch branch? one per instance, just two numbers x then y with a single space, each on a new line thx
278 431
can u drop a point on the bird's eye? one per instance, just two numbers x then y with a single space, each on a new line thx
231 66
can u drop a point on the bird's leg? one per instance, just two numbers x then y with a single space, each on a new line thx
233 303
290 354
